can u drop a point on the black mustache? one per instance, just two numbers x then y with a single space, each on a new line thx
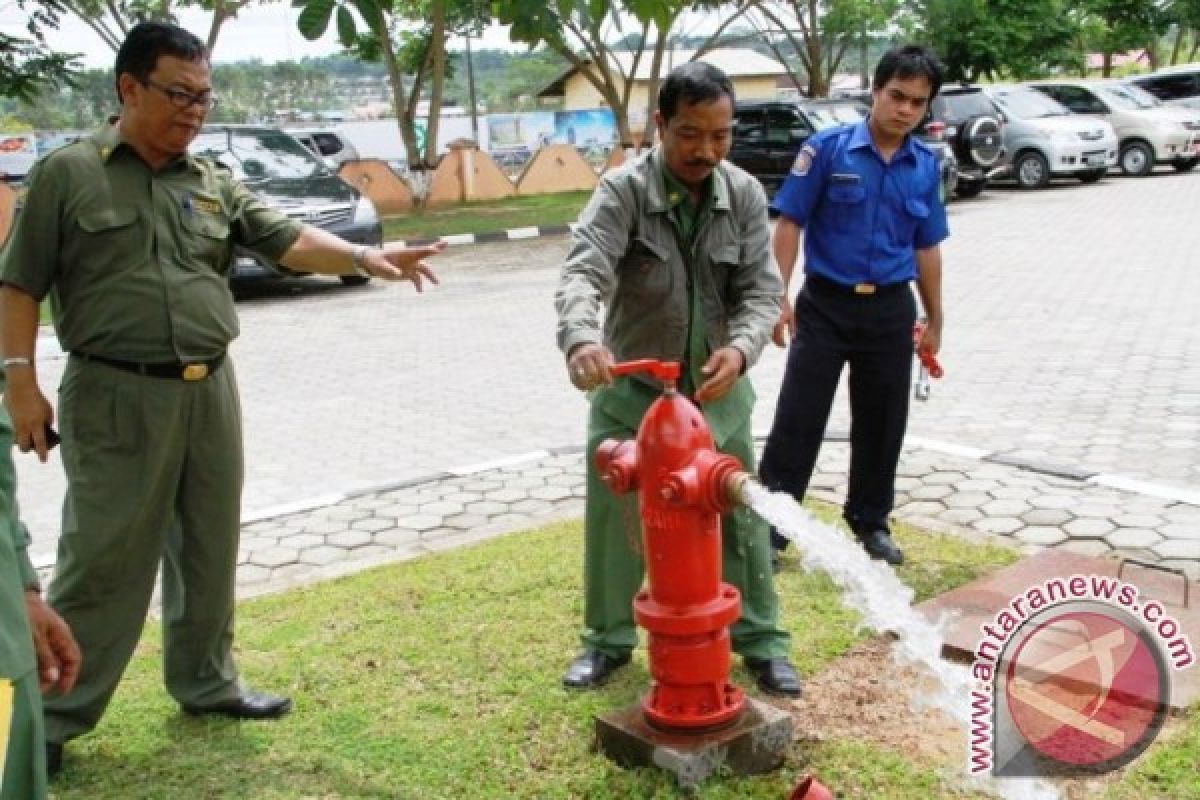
701 163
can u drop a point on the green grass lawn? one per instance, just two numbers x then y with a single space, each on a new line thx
485 217
439 678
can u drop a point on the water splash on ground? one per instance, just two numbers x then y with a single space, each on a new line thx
873 589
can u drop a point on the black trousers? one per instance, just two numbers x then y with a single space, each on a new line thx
874 335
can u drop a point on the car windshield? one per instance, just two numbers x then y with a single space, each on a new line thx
1128 98
830 116
259 155
1028 104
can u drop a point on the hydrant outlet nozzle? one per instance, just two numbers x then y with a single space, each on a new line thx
735 487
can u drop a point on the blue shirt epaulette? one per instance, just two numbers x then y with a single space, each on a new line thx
863 217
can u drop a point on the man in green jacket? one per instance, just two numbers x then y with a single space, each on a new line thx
675 246
132 238
37 651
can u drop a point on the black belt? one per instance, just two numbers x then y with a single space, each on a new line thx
191 371
821 283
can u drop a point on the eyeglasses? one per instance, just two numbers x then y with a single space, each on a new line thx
184 100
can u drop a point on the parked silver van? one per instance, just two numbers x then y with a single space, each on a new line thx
1175 86
1149 132
1044 139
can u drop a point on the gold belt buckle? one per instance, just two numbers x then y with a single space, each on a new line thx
195 372
864 288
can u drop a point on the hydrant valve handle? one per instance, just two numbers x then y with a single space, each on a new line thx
665 371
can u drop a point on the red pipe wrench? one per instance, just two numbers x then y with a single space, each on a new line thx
928 365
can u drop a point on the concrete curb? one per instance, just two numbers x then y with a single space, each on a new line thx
510 235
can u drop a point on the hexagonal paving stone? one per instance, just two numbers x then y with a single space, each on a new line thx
1022 493
483 485
1041 535
274 556
464 522
961 516
397 537
1046 516
303 540
947 478
1178 548
486 507
566 479
373 524
441 508
506 495
976 485
1086 547
931 492
419 522
252 573
463 497
348 540
1090 528
1096 510
966 500
1133 537
1138 520
1054 501
1003 525
1004 508
322 556
929 508
532 506
394 510
1180 530
550 493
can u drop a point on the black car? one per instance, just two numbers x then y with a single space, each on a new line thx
286 175
966 119
767 136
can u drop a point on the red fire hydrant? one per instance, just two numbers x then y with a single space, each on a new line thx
685 485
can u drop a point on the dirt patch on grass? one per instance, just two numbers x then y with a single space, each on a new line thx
864 696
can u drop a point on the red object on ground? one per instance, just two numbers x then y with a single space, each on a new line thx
809 788
929 360
684 485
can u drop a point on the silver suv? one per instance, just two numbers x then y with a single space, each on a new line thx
1175 86
1149 132
1045 140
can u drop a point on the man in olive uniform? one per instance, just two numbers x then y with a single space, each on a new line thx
132 238
675 245
36 646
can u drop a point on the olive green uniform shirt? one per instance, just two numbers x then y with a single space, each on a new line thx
136 262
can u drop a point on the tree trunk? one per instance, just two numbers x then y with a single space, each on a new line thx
437 82
1175 47
399 97
1106 67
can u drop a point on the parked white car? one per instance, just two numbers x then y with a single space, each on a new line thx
1175 86
1044 139
1148 132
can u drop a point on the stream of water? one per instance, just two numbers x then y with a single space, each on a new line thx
874 590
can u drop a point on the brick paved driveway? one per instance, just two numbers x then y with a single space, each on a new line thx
1071 338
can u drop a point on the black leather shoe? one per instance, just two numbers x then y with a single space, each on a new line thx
54 758
592 668
775 676
879 544
248 705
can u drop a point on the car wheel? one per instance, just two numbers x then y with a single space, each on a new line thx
1185 164
1092 175
1137 159
969 188
1031 170
354 280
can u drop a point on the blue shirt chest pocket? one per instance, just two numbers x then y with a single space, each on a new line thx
846 206
913 212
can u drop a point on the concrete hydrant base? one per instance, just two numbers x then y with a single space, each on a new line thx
754 744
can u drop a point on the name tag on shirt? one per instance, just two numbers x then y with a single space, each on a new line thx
845 178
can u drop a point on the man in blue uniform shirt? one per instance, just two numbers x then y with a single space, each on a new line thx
866 196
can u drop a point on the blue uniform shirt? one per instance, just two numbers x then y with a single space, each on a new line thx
863 217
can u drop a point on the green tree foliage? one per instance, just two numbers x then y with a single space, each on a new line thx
998 38
27 63
812 38
1116 26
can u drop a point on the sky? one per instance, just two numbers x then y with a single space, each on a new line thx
266 32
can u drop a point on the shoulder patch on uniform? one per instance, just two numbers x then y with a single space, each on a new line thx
804 160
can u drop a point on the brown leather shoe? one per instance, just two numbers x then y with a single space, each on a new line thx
247 705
